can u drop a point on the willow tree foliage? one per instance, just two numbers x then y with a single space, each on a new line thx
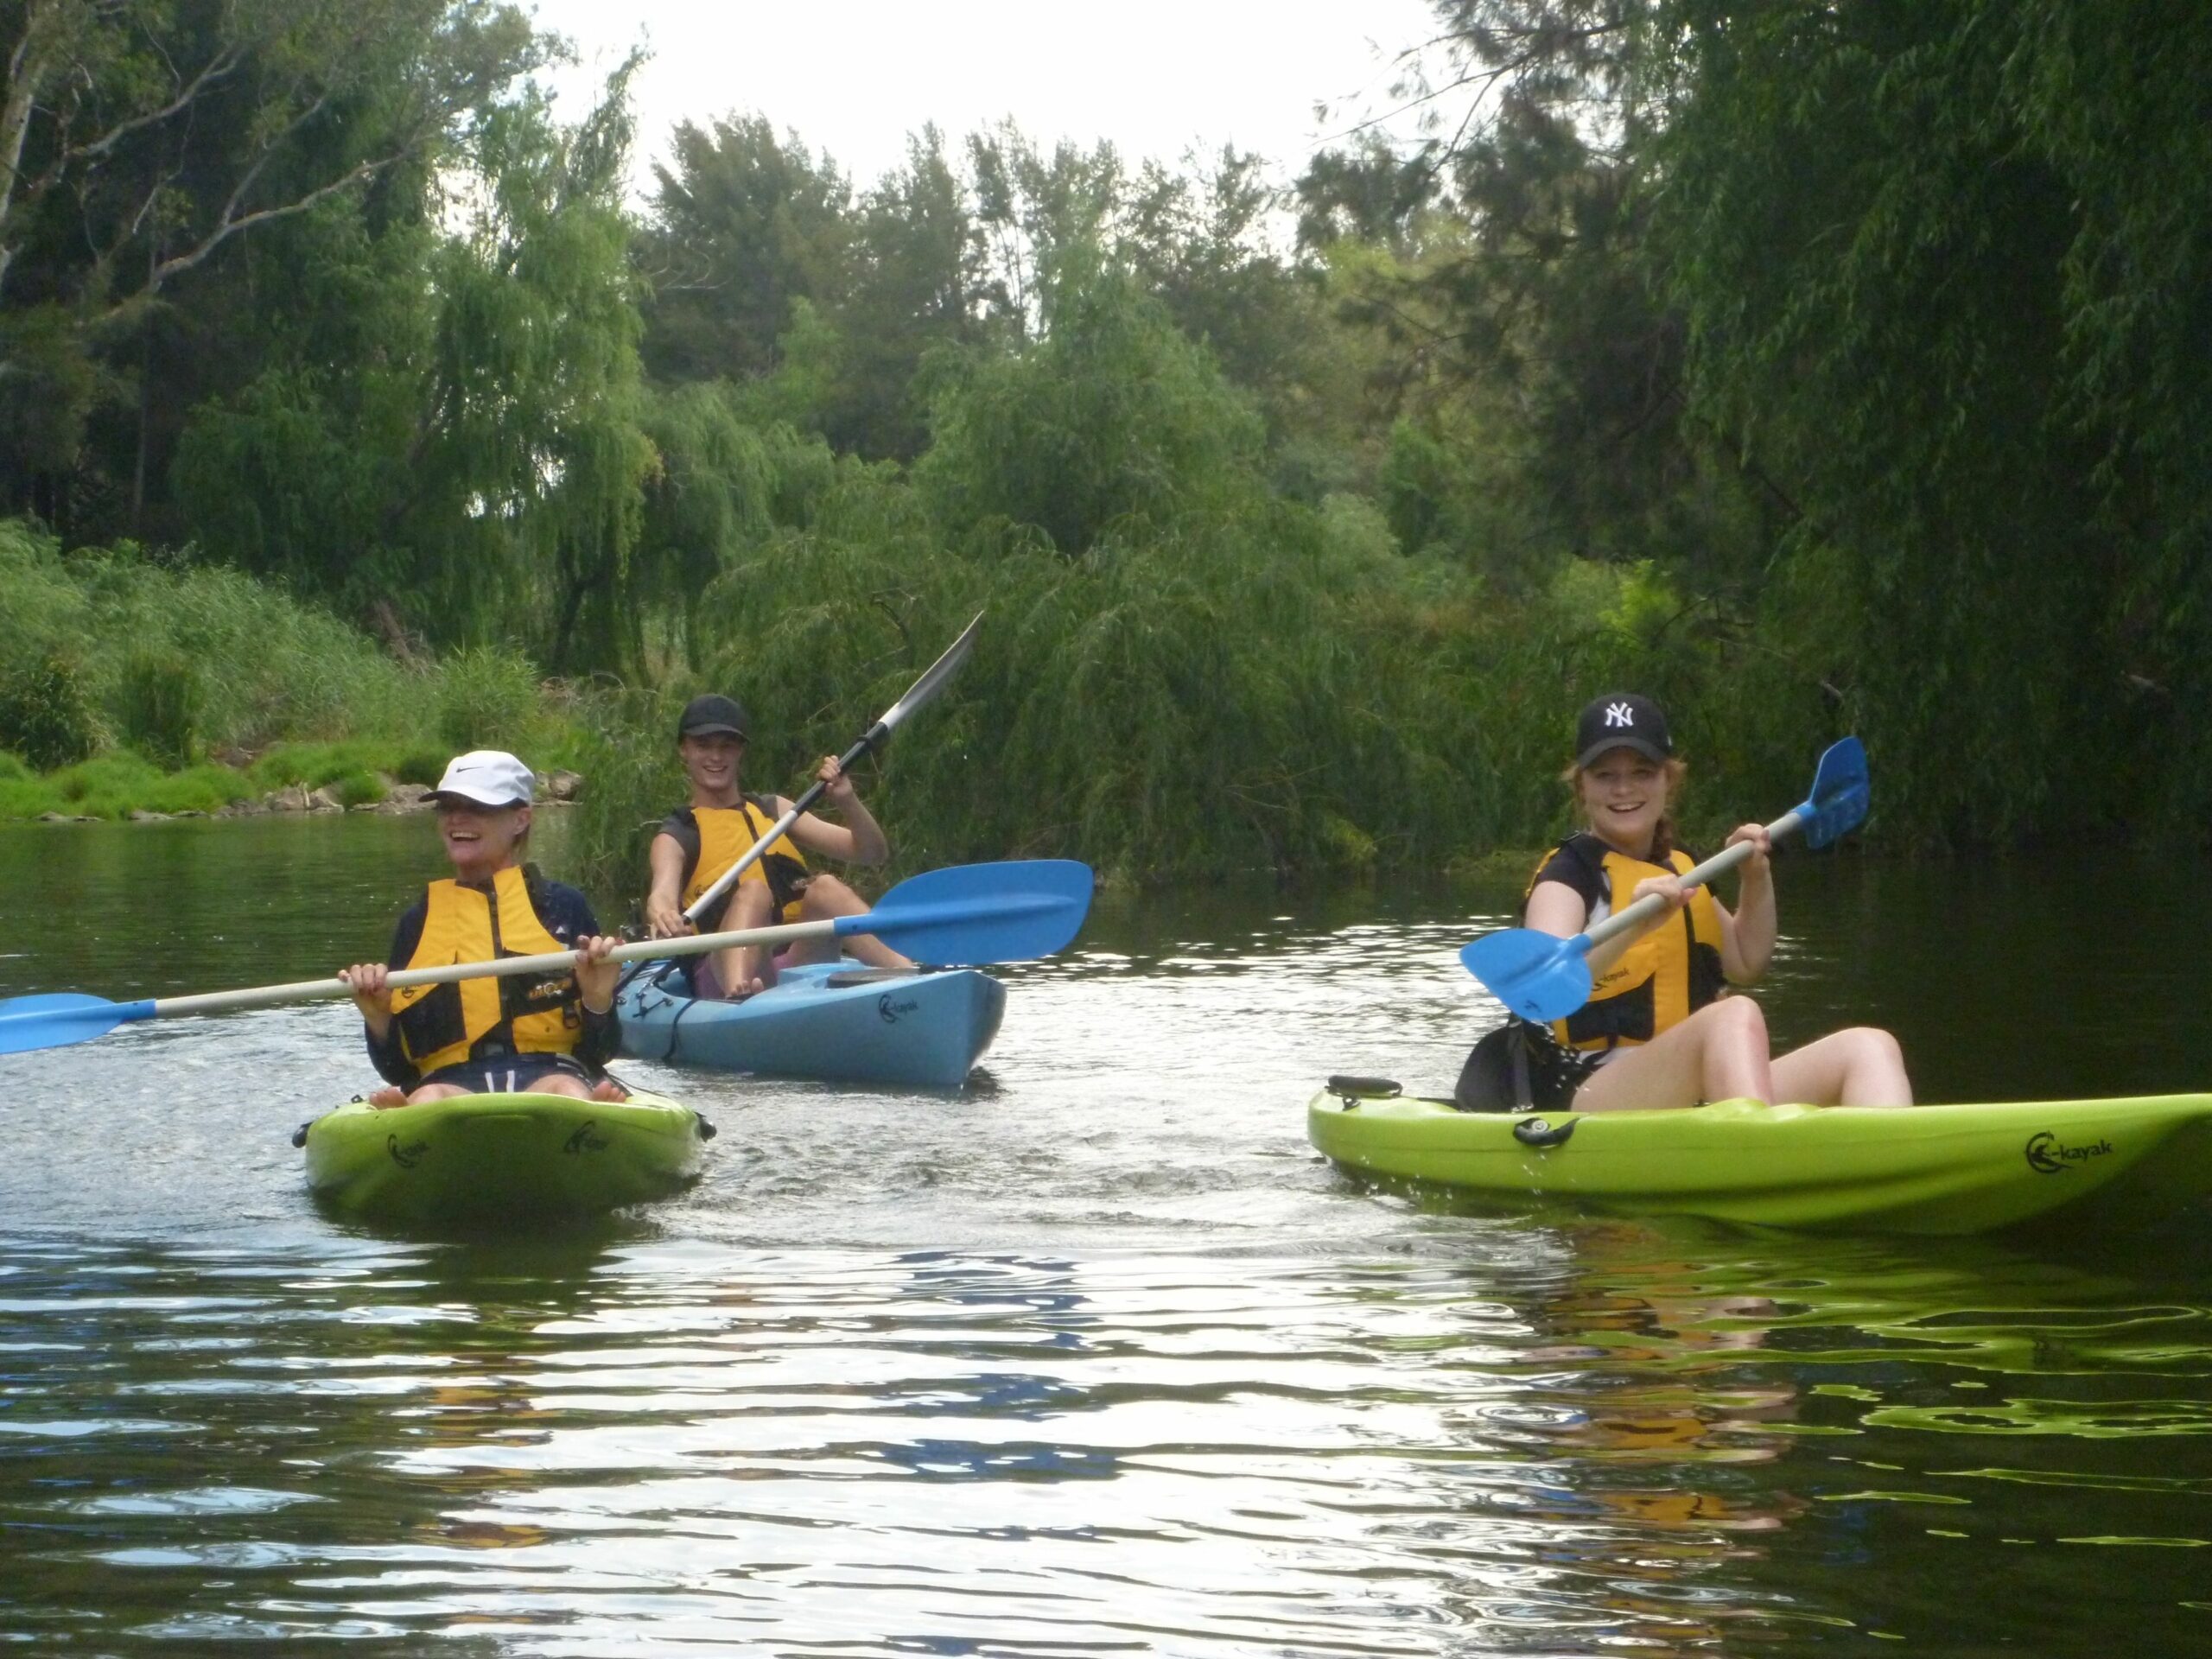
1113 415
1881 328
484 470
1953 295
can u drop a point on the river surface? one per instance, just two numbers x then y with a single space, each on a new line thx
1095 1356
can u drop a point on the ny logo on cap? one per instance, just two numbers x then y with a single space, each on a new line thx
1619 713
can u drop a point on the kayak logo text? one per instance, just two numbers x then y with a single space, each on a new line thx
2047 1155
888 1011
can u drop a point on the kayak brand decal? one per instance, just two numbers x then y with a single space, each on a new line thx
587 1138
407 1156
2047 1155
891 1011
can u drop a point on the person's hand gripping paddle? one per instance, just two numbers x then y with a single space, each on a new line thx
1542 977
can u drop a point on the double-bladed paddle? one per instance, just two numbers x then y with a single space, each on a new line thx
918 694
955 917
1542 977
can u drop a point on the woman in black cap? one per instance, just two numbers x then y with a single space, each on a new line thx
1660 1028
698 843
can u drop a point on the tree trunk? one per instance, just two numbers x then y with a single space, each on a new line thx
28 67
145 405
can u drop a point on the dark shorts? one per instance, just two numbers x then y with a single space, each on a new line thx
516 1074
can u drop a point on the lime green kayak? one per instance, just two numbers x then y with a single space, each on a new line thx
1923 1169
519 1157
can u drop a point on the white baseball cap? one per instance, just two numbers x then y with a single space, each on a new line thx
487 778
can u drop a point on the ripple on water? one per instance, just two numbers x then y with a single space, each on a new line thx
1095 1356
1584 1438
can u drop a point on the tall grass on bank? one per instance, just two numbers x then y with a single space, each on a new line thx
112 650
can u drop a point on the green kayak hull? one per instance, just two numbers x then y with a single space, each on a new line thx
1926 1169
501 1158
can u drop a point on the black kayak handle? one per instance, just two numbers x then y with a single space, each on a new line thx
1544 1134
1353 1090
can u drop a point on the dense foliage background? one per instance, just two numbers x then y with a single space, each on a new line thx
1813 369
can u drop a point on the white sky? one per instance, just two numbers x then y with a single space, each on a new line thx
855 77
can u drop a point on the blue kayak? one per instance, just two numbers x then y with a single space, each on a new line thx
834 1020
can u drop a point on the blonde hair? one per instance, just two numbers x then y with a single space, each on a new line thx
1674 768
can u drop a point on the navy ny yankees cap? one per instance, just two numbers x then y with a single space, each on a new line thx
1622 720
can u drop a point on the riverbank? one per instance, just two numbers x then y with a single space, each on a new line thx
291 778
133 684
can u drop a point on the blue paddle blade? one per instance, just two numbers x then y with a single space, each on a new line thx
1538 975
54 1021
971 913
1841 793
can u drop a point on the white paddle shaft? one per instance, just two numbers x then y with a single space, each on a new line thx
920 692
707 901
551 962
1696 876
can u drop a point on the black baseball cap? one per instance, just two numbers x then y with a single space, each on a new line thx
1622 720
704 717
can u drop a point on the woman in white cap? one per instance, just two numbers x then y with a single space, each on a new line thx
698 843
549 1033
1660 1028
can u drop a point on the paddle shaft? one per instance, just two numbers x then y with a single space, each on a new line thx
960 916
917 694
713 896
550 961
1697 875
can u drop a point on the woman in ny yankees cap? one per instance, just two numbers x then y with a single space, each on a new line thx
1662 1027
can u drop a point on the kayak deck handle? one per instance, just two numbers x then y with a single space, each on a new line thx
1544 1134
1353 1090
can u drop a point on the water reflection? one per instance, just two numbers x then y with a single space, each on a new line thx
1099 1357
1572 1438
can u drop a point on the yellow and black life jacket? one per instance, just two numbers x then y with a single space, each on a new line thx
521 1014
1661 980
724 833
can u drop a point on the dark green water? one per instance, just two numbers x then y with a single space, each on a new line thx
1094 1358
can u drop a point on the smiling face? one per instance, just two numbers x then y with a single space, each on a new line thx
480 840
1623 795
711 762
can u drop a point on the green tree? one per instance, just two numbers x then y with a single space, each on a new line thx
1112 414
484 475
141 143
743 224
1946 294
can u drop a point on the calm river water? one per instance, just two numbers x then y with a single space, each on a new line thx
1095 1356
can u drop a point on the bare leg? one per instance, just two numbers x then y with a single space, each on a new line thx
1718 1053
745 969
1862 1066
435 1091
827 898
558 1084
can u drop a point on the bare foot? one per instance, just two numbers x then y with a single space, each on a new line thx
608 1089
388 1096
